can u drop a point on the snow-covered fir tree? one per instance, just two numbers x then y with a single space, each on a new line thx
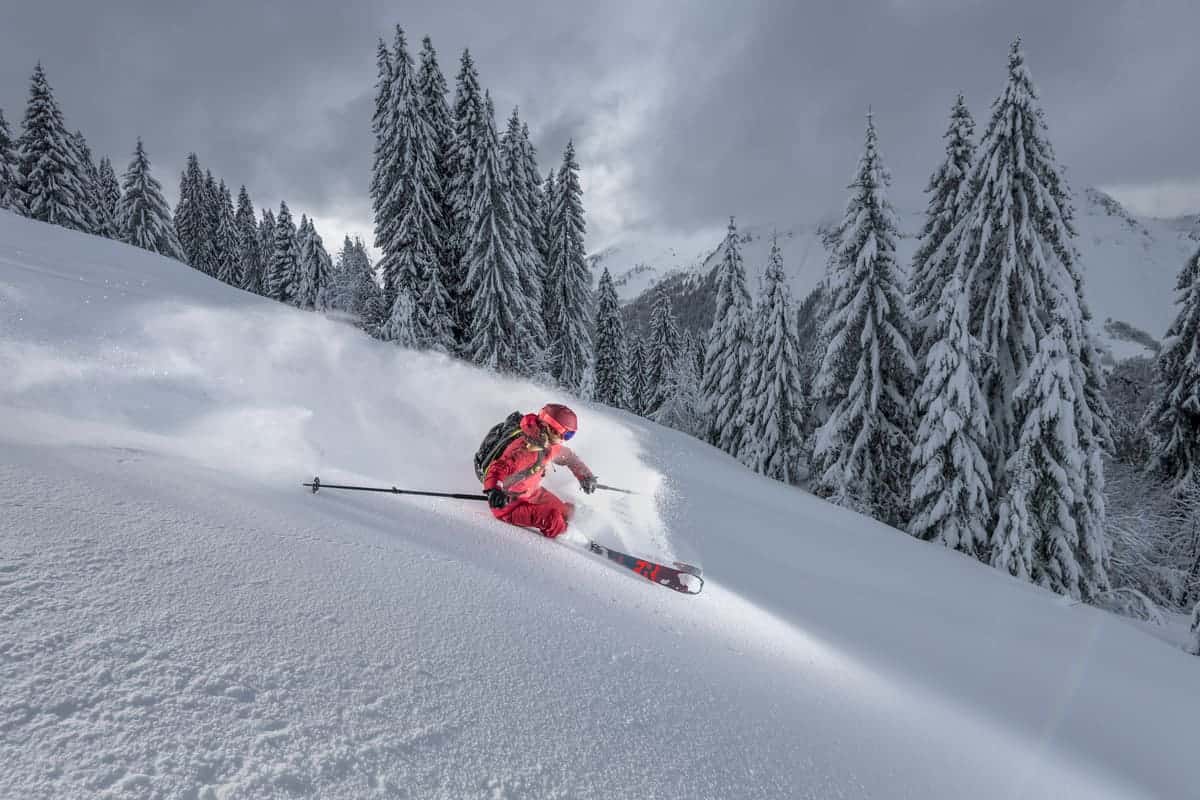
865 381
498 306
225 241
282 283
431 88
1036 536
949 193
774 396
211 199
1015 248
89 180
546 214
110 195
266 247
952 484
459 170
611 371
11 196
680 402
250 261
568 279
355 291
305 283
190 216
321 270
537 202
1194 644
48 163
636 371
144 217
315 267
1173 417
385 168
530 268
727 356
660 352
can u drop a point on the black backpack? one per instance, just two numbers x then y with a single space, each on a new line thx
496 440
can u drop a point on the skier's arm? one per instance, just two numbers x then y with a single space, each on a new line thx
500 469
566 457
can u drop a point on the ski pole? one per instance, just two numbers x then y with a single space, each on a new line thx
615 489
317 485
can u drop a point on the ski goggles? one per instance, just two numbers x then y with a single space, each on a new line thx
553 425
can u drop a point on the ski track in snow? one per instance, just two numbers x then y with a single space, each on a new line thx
179 618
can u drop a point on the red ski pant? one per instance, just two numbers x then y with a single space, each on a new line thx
540 509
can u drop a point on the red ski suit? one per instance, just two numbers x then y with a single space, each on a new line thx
519 471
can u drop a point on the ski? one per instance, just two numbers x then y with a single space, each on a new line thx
678 579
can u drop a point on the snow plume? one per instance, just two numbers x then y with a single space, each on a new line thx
246 392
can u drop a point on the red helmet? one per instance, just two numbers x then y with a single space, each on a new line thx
560 419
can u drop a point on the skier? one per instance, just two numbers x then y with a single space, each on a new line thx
513 482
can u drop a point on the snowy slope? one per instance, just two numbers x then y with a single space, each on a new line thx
179 618
1130 263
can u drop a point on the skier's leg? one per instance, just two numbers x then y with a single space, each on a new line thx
541 510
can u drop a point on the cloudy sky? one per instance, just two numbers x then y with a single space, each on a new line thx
683 113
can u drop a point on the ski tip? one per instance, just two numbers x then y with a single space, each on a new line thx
692 584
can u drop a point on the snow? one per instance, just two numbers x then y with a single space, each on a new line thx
179 617
1129 263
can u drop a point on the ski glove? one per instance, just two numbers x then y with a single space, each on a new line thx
588 484
498 498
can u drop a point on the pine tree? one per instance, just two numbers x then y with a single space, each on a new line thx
679 402
431 88
266 247
549 200
315 269
774 398
951 490
568 280
1174 417
48 163
948 195
11 195
638 387
190 215
866 377
225 241
1037 538
92 208
418 238
144 216
659 355
282 283
354 290
306 288
611 373
1015 248
529 266
385 169
460 165
1194 645
250 261
497 308
537 202
110 197
730 348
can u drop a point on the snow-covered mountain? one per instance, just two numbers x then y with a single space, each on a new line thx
180 618
1130 263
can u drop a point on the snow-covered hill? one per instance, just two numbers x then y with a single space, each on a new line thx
1130 263
179 618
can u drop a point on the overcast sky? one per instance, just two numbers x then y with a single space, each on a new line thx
683 113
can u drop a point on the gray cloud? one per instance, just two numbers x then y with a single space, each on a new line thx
682 113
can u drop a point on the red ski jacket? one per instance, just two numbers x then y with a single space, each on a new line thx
519 469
